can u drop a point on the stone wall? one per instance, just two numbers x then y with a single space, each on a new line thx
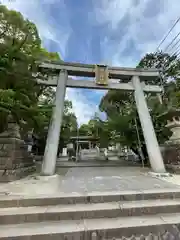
15 161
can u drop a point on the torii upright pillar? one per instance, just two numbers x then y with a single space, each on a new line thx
152 145
52 142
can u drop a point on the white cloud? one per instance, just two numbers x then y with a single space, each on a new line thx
145 26
36 11
83 108
111 12
33 10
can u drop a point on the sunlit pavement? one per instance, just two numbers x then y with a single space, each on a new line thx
89 179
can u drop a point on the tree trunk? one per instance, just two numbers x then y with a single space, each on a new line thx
145 153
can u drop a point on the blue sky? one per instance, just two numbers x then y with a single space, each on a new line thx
114 32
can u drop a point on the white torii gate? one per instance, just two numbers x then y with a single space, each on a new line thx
131 79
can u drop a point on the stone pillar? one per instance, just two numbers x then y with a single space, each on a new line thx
152 145
50 154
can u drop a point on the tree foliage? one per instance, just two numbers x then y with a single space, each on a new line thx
27 102
20 48
97 129
120 108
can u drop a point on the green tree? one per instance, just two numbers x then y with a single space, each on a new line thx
68 128
84 130
121 118
29 104
20 48
97 129
121 111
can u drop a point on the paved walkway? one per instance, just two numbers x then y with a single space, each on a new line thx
92 179
87 180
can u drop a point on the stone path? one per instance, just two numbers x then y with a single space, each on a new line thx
92 179
87 180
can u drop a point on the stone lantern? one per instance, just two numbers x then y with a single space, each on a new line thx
173 123
15 162
171 148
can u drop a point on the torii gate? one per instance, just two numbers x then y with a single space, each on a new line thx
130 79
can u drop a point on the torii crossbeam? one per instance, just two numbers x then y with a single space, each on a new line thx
129 79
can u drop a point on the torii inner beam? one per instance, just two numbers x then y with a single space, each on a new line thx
74 83
88 70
